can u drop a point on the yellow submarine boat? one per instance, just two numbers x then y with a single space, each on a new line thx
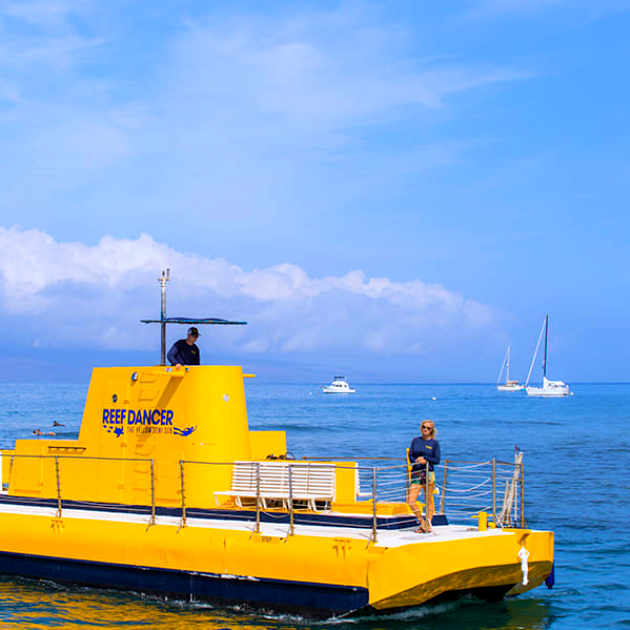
168 491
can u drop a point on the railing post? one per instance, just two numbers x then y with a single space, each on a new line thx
443 499
152 493
522 495
494 490
257 497
291 523
10 471
58 487
427 498
181 472
374 521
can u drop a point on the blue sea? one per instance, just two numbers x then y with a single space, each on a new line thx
577 472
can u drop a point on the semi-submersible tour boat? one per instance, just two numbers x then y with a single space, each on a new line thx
168 491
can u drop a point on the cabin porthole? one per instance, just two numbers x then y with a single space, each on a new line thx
226 397
114 398
134 376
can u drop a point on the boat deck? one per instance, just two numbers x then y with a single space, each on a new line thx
385 538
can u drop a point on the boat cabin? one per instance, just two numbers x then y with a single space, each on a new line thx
170 437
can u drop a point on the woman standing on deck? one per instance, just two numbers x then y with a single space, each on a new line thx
424 450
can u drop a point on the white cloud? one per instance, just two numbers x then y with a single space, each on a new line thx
75 295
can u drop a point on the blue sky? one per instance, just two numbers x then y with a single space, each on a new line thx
396 191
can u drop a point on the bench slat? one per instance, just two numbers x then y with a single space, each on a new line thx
309 482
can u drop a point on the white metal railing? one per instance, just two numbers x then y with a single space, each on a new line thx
463 489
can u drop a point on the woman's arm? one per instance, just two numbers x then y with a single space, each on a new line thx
434 456
410 454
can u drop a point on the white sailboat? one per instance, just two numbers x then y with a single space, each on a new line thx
549 389
508 386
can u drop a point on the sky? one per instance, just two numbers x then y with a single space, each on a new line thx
391 191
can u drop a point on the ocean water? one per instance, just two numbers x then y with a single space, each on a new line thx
577 471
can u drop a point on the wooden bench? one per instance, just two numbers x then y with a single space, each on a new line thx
310 483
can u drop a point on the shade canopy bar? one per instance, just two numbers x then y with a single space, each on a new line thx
164 320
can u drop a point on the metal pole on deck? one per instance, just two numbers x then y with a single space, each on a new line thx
494 490
152 494
522 494
443 500
291 525
58 487
427 498
181 470
257 497
374 520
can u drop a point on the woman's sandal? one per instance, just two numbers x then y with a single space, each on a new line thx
422 529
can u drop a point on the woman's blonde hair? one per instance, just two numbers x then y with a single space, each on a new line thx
433 429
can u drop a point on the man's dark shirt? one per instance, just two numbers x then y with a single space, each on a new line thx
183 354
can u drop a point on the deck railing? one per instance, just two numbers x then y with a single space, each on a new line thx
462 489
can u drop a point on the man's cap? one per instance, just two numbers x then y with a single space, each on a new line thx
193 331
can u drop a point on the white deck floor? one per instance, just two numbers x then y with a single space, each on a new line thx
385 538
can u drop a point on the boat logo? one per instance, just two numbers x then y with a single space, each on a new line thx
159 421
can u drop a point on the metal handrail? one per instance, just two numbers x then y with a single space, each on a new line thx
181 470
463 482
291 515
57 474
257 496
374 506
152 493
56 458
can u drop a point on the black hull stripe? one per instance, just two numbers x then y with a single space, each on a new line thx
334 520
314 600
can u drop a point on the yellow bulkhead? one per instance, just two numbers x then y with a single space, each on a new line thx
139 425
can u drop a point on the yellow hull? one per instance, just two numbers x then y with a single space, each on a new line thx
486 563
166 441
315 573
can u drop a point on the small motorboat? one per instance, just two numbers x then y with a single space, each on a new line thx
339 385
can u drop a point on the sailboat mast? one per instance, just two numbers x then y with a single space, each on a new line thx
507 367
545 359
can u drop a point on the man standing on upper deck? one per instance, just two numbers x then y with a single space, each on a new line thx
185 351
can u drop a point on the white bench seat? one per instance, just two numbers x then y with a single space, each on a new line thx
309 483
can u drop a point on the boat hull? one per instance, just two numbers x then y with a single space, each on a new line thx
303 598
541 392
510 388
337 390
320 575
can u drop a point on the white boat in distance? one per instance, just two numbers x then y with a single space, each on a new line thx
549 389
508 386
339 385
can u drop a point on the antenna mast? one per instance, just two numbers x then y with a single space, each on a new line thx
166 276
